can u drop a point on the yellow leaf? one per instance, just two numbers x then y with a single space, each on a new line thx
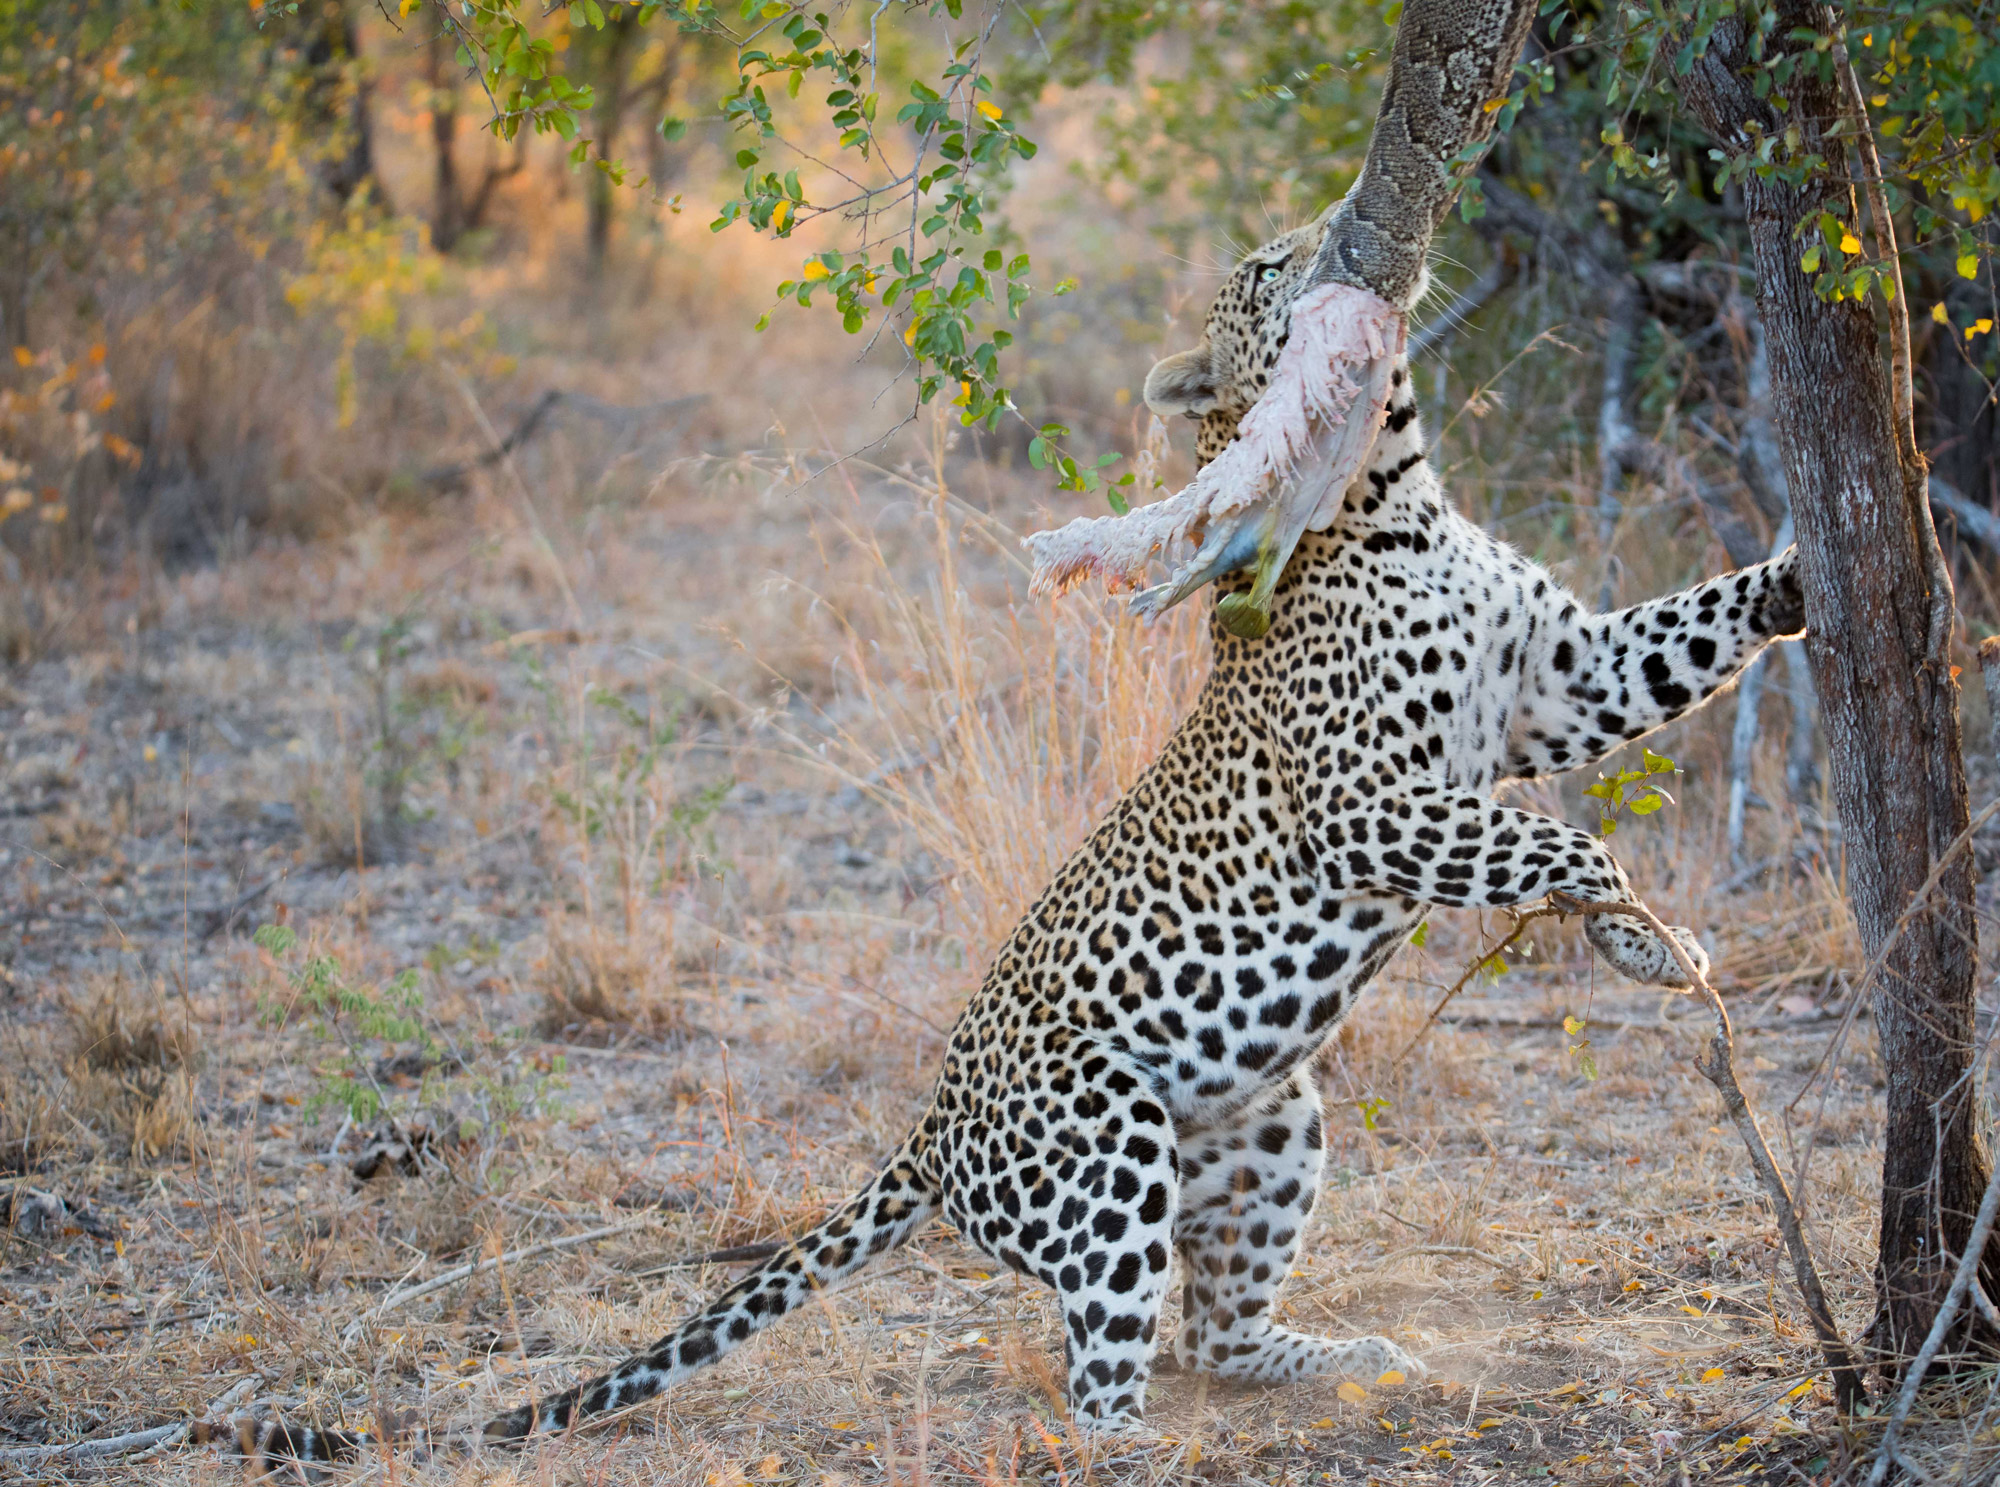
780 215
97 354
910 335
987 108
23 357
106 403
1802 1388
1693 1311
1490 1422
1713 1376
1968 268
1879 99
407 6
841 1425
1492 105
1938 314
1849 243
1352 1392
20 498
1390 1379
816 269
1326 1424
1982 326
55 515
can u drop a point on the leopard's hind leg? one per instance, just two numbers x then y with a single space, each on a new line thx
1246 1192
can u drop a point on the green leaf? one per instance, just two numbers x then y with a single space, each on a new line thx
1423 933
275 939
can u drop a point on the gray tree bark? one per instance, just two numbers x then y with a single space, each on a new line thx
1879 606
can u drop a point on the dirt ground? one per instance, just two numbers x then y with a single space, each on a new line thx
567 875
670 863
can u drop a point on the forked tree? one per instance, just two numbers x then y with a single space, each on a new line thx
1879 604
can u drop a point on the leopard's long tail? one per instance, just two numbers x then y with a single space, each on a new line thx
899 1200
882 1215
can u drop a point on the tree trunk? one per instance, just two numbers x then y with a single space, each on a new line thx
446 221
608 122
1879 607
336 98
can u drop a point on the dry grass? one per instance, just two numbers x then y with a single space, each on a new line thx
695 791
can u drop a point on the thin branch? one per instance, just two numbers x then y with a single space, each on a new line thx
465 1272
1971 519
1885 246
1719 1069
1485 958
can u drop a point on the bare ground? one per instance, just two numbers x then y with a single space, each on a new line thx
692 806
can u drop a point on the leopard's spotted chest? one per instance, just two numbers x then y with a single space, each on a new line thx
1195 932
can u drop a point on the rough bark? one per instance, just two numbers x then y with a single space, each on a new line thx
1879 608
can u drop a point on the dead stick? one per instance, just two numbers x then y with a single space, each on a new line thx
136 1440
1719 1069
466 1272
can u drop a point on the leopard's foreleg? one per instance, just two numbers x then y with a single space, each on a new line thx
1595 682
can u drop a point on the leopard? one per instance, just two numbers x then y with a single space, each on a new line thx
1129 1098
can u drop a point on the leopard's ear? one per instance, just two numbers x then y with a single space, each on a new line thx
1183 383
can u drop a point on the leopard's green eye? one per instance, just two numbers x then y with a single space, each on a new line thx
1268 272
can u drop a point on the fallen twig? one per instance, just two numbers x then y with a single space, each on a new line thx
735 1254
1458 1251
465 1272
222 918
136 1440
1719 1069
446 476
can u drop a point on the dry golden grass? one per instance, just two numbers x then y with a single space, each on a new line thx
718 777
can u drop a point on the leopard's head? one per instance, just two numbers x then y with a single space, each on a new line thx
1218 380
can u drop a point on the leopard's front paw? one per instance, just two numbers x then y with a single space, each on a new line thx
1634 951
1783 613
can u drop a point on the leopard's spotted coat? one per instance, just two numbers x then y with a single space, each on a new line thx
1129 1088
